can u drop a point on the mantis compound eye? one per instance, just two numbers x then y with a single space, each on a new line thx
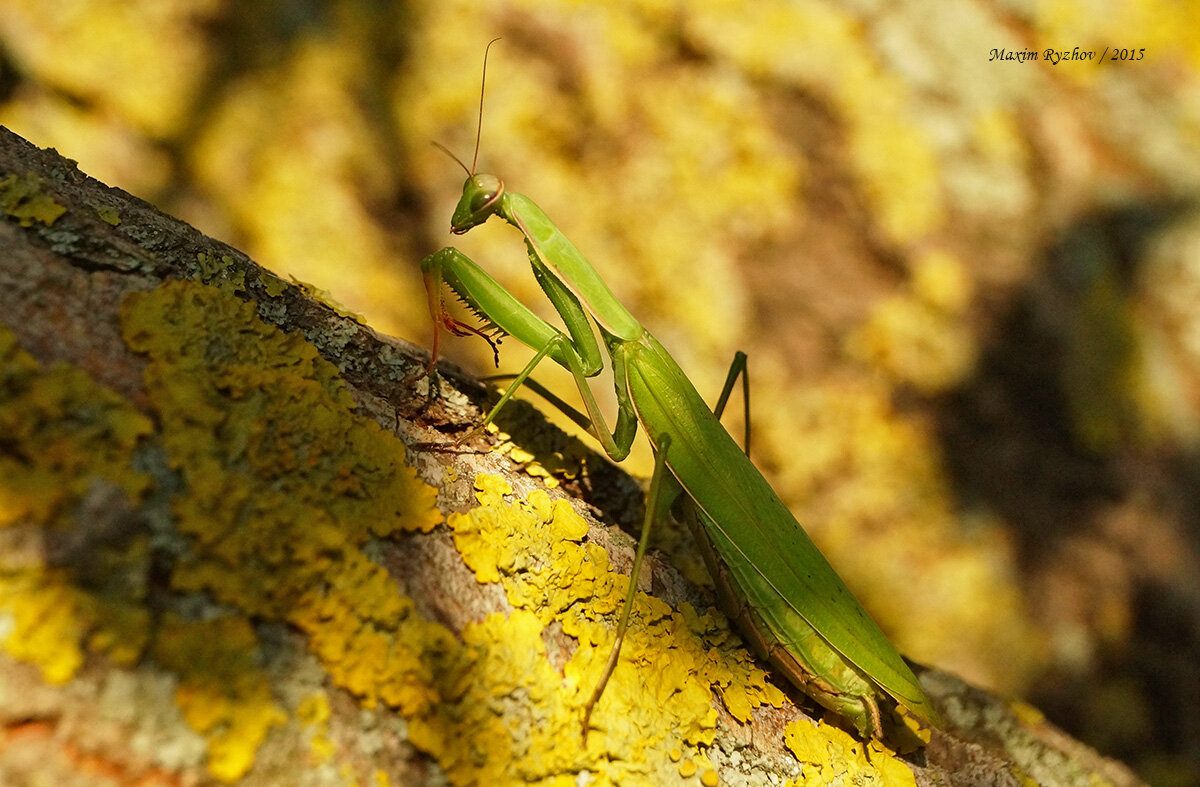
488 189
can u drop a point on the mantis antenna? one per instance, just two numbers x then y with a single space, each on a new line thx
479 124
482 85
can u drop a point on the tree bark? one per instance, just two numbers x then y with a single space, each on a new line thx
204 576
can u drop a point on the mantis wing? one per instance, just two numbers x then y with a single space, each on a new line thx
754 531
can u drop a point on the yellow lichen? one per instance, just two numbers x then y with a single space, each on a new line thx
1026 713
891 154
108 214
65 438
47 626
298 119
273 285
97 52
218 271
284 486
659 697
314 712
223 693
918 336
830 755
325 297
24 200
546 452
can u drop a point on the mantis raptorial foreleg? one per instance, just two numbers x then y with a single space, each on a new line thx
578 353
485 296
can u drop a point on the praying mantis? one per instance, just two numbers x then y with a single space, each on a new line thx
771 580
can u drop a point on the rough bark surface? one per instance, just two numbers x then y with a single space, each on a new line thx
71 251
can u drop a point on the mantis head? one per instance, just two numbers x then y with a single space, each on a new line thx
481 198
482 194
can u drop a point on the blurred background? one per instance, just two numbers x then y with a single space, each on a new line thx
969 288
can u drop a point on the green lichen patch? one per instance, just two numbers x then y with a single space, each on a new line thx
285 484
659 697
272 284
64 442
325 297
22 198
220 272
108 214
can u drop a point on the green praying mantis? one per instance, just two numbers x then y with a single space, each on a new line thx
771 580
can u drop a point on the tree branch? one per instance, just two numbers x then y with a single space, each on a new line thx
217 562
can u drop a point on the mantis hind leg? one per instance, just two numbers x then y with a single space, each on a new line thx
663 490
738 367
